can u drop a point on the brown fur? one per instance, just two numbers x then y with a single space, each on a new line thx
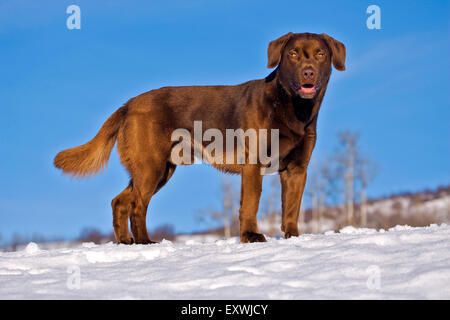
283 101
92 156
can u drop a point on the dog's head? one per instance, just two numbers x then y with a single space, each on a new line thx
304 61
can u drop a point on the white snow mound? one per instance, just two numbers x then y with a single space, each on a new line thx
401 263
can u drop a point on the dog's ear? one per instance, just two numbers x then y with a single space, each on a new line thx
337 51
275 48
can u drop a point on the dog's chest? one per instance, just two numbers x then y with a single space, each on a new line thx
293 116
303 113
288 141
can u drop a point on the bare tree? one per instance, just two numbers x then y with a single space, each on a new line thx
347 156
301 219
322 185
229 205
226 214
314 194
272 204
352 167
366 171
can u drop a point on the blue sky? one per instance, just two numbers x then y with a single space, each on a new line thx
58 86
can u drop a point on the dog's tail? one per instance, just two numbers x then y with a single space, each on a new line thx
90 157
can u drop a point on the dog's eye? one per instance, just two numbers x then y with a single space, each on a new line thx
293 53
321 54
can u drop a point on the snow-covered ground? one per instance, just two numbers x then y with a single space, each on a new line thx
401 263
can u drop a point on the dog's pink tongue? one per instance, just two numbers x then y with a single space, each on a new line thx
308 90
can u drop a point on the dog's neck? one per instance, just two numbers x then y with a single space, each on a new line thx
302 108
293 110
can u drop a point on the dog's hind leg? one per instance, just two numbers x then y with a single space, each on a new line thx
144 148
120 206
124 207
147 172
145 186
170 168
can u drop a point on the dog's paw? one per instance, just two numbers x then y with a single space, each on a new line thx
247 237
291 233
125 241
145 241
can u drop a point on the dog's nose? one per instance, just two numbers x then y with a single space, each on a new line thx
308 73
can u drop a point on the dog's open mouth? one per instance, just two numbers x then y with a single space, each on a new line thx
308 89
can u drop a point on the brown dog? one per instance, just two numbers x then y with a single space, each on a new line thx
288 99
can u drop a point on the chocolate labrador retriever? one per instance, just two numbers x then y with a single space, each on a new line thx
288 101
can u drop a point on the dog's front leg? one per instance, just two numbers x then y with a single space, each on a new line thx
251 188
293 181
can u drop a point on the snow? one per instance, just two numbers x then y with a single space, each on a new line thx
399 263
